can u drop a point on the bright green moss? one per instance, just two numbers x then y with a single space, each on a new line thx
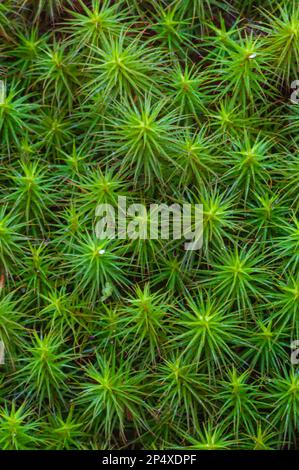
139 343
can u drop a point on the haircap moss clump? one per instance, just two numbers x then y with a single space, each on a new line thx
134 342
